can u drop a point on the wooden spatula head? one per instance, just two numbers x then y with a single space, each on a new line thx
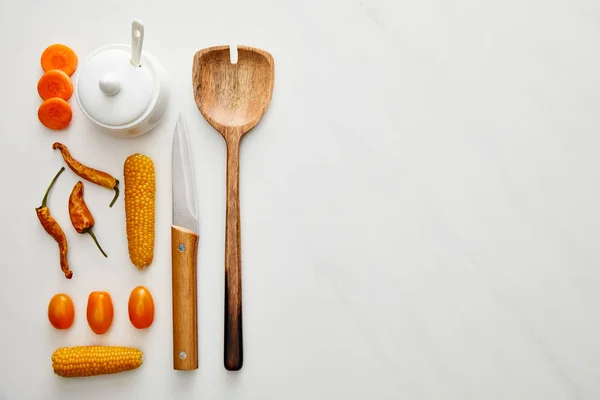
233 97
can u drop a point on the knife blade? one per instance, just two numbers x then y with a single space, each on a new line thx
185 207
184 243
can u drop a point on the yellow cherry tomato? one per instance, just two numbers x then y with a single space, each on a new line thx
141 308
100 312
61 311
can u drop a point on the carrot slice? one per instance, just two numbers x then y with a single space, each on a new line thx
55 83
59 56
55 113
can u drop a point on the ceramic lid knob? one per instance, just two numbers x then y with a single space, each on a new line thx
109 84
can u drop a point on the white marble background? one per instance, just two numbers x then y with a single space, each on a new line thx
420 205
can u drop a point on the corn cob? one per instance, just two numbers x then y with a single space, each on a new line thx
71 362
140 191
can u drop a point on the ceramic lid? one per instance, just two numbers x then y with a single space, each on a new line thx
114 92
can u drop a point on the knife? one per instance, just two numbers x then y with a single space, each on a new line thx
184 244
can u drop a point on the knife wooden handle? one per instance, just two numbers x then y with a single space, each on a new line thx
184 245
234 349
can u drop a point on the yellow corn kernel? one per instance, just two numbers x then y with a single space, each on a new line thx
71 362
140 192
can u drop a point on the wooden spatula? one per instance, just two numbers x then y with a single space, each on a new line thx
233 98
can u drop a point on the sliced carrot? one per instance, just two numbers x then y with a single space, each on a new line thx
55 113
55 83
59 56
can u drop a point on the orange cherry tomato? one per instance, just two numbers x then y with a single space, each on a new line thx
141 308
61 311
100 312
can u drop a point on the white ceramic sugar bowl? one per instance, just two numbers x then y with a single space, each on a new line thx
122 89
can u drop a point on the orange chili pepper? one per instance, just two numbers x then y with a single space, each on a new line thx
80 214
90 174
51 226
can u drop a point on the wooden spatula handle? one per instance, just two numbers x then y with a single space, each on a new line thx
184 244
233 354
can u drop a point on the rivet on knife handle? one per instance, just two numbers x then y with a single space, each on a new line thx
184 244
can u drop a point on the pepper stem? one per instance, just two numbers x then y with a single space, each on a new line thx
45 199
96 241
116 194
